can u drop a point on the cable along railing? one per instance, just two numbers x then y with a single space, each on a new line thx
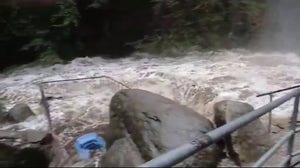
184 151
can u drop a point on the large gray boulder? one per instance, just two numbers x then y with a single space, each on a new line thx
123 147
155 125
249 142
20 112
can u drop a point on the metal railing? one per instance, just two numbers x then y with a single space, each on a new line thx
44 101
277 91
179 154
86 78
271 95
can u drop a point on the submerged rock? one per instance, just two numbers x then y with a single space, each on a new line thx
20 112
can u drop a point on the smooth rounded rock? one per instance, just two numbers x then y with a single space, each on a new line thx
156 125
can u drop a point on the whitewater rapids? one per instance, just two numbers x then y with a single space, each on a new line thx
192 79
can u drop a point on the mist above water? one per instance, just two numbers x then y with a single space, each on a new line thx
282 25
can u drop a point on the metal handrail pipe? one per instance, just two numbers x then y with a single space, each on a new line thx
293 155
277 91
74 79
296 153
263 159
293 124
85 78
227 129
285 161
180 153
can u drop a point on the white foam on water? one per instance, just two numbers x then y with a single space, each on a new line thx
236 74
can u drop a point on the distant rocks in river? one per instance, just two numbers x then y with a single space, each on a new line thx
20 112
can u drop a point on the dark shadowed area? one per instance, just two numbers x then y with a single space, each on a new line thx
53 31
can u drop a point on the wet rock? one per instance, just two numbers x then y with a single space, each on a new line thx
6 155
11 156
156 125
75 161
56 151
280 124
31 157
120 148
28 136
251 141
20 112
83 163
34 136
5 118
33 148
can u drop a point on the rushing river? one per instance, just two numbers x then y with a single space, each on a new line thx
193 79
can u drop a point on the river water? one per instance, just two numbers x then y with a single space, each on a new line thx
193 79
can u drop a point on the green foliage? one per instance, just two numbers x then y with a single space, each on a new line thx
41 30
49 57
50 33
66 16
172 44
207 24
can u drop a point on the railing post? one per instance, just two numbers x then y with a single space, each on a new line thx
293 127
270 115
45 105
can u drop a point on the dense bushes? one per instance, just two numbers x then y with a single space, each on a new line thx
31 32
93 27
205 23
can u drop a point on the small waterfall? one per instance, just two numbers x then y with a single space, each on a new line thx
282 25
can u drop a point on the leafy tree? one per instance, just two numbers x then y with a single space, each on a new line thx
50 32
205 23
39 30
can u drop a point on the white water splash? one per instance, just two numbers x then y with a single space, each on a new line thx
239 75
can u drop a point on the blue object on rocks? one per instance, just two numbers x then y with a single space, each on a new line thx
87 143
